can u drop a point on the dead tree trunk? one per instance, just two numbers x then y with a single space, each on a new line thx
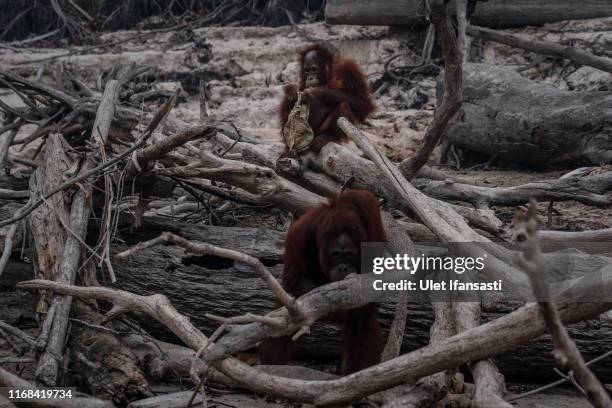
492 13
520 121
198 284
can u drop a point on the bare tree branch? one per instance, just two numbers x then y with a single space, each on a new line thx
566 352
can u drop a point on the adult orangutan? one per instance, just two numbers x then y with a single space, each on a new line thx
323 246
332 86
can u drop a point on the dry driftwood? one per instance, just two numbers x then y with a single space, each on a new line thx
511 118
566 352
228 288
357 172
259 183
434 387
492 13
265 244
542 47
475 344
452 96
59 231
109 368
48 363
449 227
184 278
217 168
591 190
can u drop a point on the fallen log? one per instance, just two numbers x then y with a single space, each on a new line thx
542 47
196 285
48 364
263 243
520 121
479 343
590 190
492 13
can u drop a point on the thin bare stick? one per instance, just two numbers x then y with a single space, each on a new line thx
160 149
556 383
203 104
7 140
99 137
8 246
463 39
49 361
18 333
105 45
245 319
398 326
16 360
566 353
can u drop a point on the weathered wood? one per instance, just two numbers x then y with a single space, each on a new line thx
602 235
590 190
475 344
359 172
12 194
566 352
520 121
492 13
199 285
9 239
577 55
105 113
450 100
449 227
5 143
117 375
47 231
489 383
263 243
48 363
518 13
196 290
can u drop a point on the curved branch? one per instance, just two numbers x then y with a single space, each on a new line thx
453 90
475 344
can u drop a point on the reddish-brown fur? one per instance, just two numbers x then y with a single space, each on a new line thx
344 91
356 213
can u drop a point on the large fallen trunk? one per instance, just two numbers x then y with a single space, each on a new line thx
509 117
492 13
197 285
